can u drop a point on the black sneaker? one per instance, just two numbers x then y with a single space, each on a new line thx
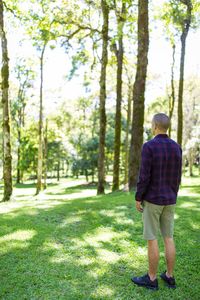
170 281
146 282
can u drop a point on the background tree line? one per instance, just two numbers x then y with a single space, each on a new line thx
92 135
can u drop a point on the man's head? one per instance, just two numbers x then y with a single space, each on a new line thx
160 123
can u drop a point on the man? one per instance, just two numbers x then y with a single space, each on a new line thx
157 188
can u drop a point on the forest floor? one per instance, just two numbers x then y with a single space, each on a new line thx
68 243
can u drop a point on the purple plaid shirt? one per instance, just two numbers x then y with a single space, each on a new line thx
160 171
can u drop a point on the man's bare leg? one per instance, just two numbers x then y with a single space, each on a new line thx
153 256
170 254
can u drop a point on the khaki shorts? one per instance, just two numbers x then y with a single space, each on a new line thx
157 217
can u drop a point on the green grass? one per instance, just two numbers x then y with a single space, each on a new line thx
68 243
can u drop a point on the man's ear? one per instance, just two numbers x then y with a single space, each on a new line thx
155 126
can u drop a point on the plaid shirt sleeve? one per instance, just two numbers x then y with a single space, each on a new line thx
144 173
180 170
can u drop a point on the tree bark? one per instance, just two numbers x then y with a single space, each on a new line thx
40 130
45 154
138 93
19 155
172 98
127 132
19 122
102 108
191 161
199 161
7 158
86 175
58 170
185 30
119 56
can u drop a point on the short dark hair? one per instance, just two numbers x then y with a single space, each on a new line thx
162 121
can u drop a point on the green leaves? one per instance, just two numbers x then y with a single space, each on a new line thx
80 58
177 13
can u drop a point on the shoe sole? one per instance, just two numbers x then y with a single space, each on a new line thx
167 284
148 287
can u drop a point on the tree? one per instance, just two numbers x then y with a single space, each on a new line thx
191 134
138 93
45 154
172 96
7 158
41 32
102 98
185 25
128 123
119 52
25 77
40 128
178 18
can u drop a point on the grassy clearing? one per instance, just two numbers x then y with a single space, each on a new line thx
69 243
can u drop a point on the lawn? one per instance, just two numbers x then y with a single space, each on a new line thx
68 243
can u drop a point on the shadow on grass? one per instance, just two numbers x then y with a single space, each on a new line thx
31 185
77 189
87 249
54 261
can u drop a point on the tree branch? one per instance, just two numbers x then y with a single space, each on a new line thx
11 10
81 27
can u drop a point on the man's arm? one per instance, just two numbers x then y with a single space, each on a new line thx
145 172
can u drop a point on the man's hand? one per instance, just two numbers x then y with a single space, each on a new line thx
138 206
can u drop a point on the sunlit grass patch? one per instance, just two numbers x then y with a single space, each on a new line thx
16 240
102 292
19 235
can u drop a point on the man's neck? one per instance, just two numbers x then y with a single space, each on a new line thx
160 132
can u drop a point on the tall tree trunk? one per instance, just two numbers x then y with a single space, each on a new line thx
7 158
93 172
199 161
20 124
45 154
86 175
138 93
19 154
117 144
58 170
186 26
40 130
172 98
127 132
191 161
102 108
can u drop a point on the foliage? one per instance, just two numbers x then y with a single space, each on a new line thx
74 125
28 150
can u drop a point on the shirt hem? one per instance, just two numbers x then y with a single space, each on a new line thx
160 203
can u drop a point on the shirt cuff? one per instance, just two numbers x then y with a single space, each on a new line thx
138 197
138 200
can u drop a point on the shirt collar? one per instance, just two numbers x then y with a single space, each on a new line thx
161 135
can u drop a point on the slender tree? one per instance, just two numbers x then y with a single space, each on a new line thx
7 158
186 21
25 75
128 123
119 51
45 153
102 98
40 129
138 93
172 96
